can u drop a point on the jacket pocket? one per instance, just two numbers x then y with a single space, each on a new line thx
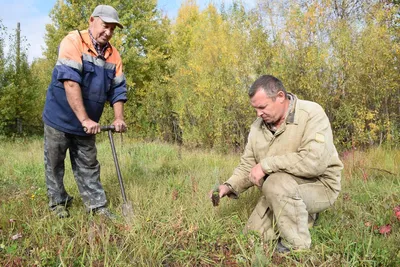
108 81
95 83
88 74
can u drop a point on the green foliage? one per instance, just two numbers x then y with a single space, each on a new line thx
215 58
369 83
145 51
175 222
187 78
344 58
66 16
2 57
19 111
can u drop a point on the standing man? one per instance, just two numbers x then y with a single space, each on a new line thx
290 156
87 74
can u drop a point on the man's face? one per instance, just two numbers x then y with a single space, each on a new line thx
272 112
101 31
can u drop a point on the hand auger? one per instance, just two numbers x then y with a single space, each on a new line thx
127 209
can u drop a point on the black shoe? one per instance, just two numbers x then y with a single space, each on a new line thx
316 218
280 248
312 220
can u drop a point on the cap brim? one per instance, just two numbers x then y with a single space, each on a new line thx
111 20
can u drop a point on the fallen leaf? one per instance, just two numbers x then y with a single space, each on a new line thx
125 227
385 229
175 194
346 196
397 212
16 236
365 175
368 224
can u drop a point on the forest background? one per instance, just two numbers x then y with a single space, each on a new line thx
187 78
187 81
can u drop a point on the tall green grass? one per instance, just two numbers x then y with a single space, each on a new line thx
175 223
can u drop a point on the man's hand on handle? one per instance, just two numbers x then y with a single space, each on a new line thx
90 127
120 125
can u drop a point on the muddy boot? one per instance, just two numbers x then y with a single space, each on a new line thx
60 211
106 213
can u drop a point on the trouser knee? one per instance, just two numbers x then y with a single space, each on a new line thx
279 184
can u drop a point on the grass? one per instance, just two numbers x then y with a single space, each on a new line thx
175 223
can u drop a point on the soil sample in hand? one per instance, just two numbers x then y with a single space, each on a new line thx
215 198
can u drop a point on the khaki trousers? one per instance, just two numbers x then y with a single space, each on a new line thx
286 206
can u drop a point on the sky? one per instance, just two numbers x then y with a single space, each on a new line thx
33 15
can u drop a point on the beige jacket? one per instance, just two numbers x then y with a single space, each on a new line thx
302 146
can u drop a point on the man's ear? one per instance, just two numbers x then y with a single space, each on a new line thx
280 96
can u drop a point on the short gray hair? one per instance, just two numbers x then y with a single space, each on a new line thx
269 84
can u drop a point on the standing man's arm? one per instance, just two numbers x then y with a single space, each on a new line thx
74 97
117 95
119 123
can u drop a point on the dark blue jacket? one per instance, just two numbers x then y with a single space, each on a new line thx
100 81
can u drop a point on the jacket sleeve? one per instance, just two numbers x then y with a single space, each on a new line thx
118 86
239 181
313 156
69 62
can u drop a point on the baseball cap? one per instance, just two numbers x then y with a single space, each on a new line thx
107 14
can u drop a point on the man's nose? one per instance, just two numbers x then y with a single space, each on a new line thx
259 112
108 32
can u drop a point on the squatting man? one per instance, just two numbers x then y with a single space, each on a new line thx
290 156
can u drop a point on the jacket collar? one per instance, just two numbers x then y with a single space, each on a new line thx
291 117
88 42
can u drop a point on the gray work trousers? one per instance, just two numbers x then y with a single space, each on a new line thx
85 167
